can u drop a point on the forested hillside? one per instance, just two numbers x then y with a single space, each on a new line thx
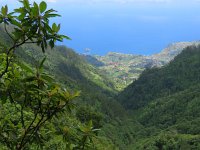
165 102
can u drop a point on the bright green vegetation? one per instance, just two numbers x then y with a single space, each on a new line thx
51 98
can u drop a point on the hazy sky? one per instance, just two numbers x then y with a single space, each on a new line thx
128 26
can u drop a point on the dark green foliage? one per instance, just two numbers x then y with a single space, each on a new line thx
170 141
85 114
166 103
180 108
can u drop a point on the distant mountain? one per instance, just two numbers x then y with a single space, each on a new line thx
123 69
172 50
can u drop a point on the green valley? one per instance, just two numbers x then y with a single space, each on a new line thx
165 101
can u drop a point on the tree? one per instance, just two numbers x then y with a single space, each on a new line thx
30 97
30 25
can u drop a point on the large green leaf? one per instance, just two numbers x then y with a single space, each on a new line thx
52 15
54 27
43 6
35 9
65 37
49 11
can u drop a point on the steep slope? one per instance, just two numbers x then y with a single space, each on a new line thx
166 103
171 122
125 68
75 74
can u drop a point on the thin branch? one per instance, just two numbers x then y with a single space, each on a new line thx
31 42
22 116
21 145
12 100
26 140
15 45
41 122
